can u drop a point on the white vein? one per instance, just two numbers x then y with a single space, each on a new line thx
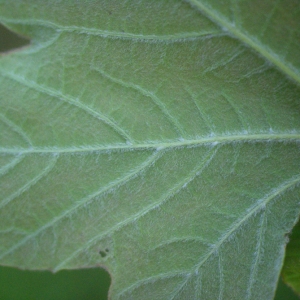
116 183
221 276
117 34
207 121
198 239
149 94
286 67
250 213
133 218
11 164
261 204
257 254
30 183
237 111
13 126
68 99
206 140
177 291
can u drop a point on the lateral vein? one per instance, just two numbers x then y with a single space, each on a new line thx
115 34
249 40
69 99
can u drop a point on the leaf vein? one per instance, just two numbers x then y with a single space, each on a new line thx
15 128
253 43
115 34
68 99
261 203
258 252
84 201
149 94
30 183
11 164
195 172
245 137
169 194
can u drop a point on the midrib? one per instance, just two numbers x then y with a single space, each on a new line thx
206 141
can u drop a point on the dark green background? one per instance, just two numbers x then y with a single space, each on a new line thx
84 284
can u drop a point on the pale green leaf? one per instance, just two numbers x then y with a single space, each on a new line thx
159 139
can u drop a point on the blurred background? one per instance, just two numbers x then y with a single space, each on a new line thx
83 284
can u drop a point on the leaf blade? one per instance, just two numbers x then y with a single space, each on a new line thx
161 163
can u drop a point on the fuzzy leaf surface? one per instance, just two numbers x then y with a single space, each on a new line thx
159 139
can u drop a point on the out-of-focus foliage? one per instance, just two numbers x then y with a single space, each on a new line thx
284 292
10 41
291 268
82 284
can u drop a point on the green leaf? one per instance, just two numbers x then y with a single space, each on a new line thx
158 139
290 270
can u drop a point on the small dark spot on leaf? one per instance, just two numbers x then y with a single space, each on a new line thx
102 253
106 250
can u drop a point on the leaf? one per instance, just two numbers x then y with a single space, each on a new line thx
158 139
290 270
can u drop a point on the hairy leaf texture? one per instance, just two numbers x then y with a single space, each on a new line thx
159 139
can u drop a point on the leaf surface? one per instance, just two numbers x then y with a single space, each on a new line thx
158 139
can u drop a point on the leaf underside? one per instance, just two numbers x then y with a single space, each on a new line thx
159 139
